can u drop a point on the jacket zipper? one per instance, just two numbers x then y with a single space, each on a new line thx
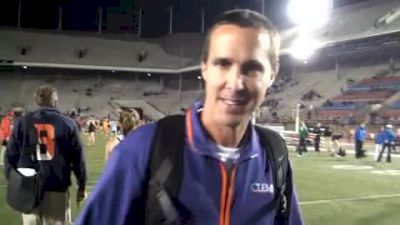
228 181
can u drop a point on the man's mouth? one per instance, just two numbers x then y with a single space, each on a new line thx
234 102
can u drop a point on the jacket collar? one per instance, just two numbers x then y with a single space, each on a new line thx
44 110
47 108
200 142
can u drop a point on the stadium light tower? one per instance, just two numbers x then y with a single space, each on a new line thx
309 14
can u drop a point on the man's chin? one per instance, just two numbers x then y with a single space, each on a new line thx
233 120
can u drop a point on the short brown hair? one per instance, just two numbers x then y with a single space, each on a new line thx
249 19
45 95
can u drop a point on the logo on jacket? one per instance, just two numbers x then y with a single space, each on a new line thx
262 188
45 149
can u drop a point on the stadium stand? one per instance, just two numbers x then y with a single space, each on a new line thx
96 92
324 82
355 104
365 96
45 48
342 105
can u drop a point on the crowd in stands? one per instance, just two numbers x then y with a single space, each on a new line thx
311 95
272 104
283 81
344 105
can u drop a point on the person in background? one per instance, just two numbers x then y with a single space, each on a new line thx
379 140
388 137
106 127
128 121
397 136
18 113
113 127
317 140
359 137
352 134
92 133
394 140
338 151
60 153
303 134
5 133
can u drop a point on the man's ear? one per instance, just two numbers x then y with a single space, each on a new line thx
274 74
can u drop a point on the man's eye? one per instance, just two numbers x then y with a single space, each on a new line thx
252 69
252 73
222 63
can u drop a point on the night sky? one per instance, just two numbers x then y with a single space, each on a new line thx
121 16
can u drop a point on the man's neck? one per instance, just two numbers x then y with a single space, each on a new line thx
224 135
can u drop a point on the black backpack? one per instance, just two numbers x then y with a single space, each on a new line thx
24 193
166 171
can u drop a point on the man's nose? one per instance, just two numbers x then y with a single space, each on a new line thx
235 79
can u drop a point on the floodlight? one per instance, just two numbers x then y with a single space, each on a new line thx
309 14
304 47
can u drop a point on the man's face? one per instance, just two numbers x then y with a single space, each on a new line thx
237 73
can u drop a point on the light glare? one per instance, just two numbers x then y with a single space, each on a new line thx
304 47
309 14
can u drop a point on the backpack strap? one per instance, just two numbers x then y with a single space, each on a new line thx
277 156
29 142
165 171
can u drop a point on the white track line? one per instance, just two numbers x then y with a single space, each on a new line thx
367 197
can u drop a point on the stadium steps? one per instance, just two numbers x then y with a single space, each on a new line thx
392 99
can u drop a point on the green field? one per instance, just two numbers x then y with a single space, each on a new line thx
328 196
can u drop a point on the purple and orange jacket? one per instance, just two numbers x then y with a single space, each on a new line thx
5 127
209 193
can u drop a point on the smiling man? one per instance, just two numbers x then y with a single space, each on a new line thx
221 170
239 63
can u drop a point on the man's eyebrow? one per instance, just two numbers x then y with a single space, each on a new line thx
253 64
220 60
